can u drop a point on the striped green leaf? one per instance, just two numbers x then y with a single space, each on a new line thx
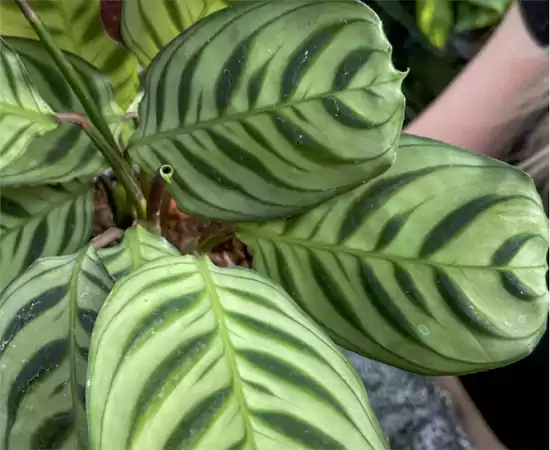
24 115
265 109
46 320
138 246
435 20
148 26
188 355
66 152
42 221
76 27
438 266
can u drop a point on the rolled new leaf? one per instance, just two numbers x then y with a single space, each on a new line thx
437 267
46 319
76 28
188 355
40 221
138 246
147 27
265 109
65 152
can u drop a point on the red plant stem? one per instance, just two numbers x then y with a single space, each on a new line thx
72 117
107 237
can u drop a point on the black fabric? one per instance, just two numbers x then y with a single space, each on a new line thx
514 400
535 15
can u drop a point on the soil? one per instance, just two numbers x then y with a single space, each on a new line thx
181 230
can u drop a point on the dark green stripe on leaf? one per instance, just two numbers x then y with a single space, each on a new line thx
37 244
61 141
63 99
510 248
255 84
344 115
303 433
83 352
9 207
305 144
391 229
516 287
247 159
35 370
259 387
262 140
92 31
98 282
59 388
292 375
195 423
188 74
383 302
375 197
184 355
457 221
274 334
348 68
213 174
409 289
87 318
333 293
53 432
69 226
230 75
254 299
461 305
305 56
240 445
33 309
286 276
158 318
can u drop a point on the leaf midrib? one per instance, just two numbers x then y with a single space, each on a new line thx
73 293
217 309
242 115
36 116
333 248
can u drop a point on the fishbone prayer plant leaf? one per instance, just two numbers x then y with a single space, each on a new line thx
76 27
185 354
46 319
438 266
138 246
23 113
41 221
266 109
147 26
63 152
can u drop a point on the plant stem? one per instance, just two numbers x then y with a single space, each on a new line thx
67 70
215 237
107 237
211 243
99 133
122 171
144 180
156 195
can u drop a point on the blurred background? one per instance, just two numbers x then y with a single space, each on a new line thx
435 39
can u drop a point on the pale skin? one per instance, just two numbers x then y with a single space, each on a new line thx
477 112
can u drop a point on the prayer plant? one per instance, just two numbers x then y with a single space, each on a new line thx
280 122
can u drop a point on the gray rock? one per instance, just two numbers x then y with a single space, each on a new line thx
414 412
